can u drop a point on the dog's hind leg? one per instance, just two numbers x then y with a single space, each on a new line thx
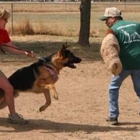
48 100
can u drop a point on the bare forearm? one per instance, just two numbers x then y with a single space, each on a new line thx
13 49
16 51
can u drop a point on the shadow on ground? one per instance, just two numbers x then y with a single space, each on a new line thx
57 127
43 49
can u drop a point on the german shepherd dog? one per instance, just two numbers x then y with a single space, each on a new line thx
41 76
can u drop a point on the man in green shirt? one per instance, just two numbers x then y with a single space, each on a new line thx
128 36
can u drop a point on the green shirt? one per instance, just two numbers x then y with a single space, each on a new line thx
128 35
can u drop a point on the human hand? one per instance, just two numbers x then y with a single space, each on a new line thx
30 54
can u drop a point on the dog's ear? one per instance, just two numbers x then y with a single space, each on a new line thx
63 49
65 46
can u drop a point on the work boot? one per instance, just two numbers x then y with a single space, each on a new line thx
112 121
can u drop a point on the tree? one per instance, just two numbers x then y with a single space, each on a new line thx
84 32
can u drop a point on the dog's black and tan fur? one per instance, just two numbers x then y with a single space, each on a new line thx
41 76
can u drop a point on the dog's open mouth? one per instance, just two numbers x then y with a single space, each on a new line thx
71 65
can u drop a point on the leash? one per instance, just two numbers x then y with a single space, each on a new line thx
37 57
41 58
2 50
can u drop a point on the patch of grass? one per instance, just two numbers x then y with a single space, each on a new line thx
58 19
24 28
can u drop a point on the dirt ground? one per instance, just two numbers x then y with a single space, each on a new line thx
80 112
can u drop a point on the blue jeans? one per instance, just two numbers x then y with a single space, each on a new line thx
114 87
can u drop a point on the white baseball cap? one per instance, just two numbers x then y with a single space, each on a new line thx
111 12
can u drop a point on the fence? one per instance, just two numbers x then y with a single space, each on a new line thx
63 18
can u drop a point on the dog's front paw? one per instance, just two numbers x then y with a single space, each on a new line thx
55 97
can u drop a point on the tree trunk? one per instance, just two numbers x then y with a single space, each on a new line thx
84 33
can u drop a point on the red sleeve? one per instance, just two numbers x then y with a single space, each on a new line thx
7 38
4 36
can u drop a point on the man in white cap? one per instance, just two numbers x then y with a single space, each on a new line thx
128 36
111 12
